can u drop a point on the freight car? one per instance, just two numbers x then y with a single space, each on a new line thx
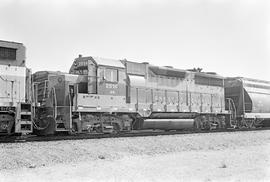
250 101
115 95
15 92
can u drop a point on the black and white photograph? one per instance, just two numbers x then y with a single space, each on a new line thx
134 90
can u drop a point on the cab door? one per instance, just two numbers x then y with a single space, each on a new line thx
92 78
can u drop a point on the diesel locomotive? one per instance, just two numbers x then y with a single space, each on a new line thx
15 92
105 95
115 95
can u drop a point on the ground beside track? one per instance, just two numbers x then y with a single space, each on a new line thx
237 156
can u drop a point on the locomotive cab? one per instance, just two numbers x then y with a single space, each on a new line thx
104 97
105 76
106 85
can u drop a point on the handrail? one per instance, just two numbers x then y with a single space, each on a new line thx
70 111
45 88
36 86
55 101
6 79
231 104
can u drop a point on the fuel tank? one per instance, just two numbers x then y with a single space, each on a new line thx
168 124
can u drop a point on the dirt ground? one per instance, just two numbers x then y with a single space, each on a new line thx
237 156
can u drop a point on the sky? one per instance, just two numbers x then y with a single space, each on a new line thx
230 37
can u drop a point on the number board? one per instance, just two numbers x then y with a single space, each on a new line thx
6 108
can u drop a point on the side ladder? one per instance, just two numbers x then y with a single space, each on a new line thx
23 121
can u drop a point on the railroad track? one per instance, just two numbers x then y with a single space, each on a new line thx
140 133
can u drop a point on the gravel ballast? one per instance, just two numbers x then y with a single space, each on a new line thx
36 154
192 149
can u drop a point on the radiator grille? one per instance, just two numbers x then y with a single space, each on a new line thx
7 53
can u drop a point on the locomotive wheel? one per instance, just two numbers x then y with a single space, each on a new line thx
258 123
11 127
74 127
47 126
7 123
116 128
98 129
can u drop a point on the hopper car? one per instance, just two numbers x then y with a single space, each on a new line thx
250 99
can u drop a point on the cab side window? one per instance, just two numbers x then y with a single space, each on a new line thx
111 75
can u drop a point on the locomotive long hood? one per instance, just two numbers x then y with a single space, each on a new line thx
164 71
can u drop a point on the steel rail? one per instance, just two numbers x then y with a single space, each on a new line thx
138 133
